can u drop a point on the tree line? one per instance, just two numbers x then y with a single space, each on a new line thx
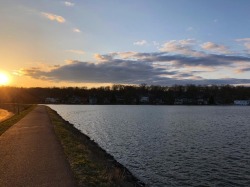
126 94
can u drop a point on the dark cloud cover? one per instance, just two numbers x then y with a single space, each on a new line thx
206 60
140 68
244 69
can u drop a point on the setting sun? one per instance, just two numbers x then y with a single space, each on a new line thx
4 79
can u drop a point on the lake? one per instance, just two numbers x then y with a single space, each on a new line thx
171 145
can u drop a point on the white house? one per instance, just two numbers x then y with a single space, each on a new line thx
242 102
178 101
202 102
51 100
144 99
92 100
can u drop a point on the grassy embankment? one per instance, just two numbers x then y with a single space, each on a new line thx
91 165
5 125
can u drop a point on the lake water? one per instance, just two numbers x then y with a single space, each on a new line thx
171 145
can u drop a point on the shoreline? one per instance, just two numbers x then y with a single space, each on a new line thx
117 174
47 104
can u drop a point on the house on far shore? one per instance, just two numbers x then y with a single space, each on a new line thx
242 102
75 100
51 100
202 102
184 101
178 102
119 99
144 99
92 100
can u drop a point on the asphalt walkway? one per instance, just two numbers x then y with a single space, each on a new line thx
31 155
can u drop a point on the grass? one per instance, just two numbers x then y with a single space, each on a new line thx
91 165
5 125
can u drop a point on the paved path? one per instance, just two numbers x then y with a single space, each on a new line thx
31 155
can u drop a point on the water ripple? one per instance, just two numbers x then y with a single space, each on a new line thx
172 145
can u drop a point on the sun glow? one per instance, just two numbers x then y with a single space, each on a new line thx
4 79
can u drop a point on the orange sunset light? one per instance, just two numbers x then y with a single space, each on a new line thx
4 79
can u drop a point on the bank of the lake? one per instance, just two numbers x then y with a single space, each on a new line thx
91 165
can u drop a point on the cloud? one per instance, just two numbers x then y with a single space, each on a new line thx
190 29
246 42
53 17
243 70
180 47
243 40
79 52
107 57
76 30
141 42
69 4
155 43
177 60
135 68
180 60
247 45
127 55
210 46
116 71
123 73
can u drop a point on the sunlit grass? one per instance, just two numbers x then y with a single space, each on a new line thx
5 125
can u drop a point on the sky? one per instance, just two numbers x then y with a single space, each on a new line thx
97 43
